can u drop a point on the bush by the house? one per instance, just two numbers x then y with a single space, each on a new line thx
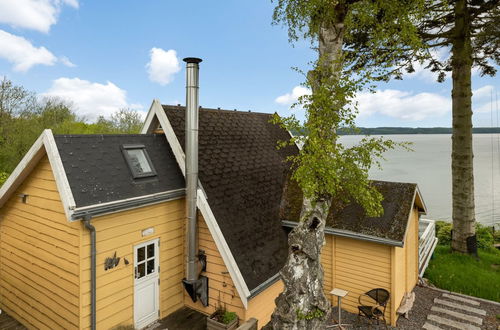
486 236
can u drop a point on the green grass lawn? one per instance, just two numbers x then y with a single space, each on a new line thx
464 274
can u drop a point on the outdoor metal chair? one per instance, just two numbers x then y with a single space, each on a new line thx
372 304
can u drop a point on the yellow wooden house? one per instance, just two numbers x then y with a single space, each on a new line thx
98 231
363 253
139 224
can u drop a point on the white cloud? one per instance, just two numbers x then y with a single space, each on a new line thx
163 65
90 99
66 61
37 15
22 53
403 105
482 99
290 98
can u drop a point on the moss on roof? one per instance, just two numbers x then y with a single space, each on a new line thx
397 205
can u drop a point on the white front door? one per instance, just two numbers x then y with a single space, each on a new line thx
146 290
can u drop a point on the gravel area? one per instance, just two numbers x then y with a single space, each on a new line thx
418 315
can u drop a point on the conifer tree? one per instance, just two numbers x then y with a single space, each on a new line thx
471 30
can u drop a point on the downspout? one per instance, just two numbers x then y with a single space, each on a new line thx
91 228
195 285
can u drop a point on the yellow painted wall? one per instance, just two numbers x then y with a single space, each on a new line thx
327 253
221 287
406 263
262 306
412 251
39 256
120 232
359 267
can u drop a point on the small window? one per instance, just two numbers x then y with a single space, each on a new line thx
138 160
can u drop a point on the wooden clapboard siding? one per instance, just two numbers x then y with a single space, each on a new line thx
406 263
262 306
412 251
221 287
327 263
120 232
359 267
39 256
399 277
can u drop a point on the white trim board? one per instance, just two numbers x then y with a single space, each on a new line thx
202 201
45 144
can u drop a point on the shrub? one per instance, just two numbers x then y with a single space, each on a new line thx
443 232
496 236
484 237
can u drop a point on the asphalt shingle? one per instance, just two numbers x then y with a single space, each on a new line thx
243 174
97 171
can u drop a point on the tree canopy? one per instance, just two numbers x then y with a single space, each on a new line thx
23 117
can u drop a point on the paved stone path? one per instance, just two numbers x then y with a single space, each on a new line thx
455 312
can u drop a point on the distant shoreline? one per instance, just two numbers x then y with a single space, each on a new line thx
414 130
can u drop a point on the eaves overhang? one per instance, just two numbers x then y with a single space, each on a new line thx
127 204
351 234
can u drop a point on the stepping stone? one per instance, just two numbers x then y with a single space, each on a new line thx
429 326
452 323
458 306
473 319
465 300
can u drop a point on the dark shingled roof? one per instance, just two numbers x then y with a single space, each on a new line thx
397 204
98 173
243 173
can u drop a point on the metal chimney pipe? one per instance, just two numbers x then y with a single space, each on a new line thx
191 147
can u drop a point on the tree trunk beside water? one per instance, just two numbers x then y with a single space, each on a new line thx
462 153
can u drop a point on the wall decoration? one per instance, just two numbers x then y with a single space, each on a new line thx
110 263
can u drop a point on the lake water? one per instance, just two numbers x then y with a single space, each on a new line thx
429 165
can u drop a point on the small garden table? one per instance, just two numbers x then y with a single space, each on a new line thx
339 293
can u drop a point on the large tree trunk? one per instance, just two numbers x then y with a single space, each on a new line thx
463 239
303 304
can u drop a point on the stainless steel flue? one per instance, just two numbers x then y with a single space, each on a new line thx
191 149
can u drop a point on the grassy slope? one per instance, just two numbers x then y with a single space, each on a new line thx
465 274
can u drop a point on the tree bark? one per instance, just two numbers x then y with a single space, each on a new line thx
303 304
462 153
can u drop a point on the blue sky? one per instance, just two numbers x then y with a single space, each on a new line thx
105 55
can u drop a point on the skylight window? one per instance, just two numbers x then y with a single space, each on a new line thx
138 160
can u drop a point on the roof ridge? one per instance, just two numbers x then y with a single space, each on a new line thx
104 134
181 107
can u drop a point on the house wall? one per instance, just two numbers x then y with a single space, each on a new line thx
120 232
357 266
327 261
405 272
262 306
222 290
39 256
